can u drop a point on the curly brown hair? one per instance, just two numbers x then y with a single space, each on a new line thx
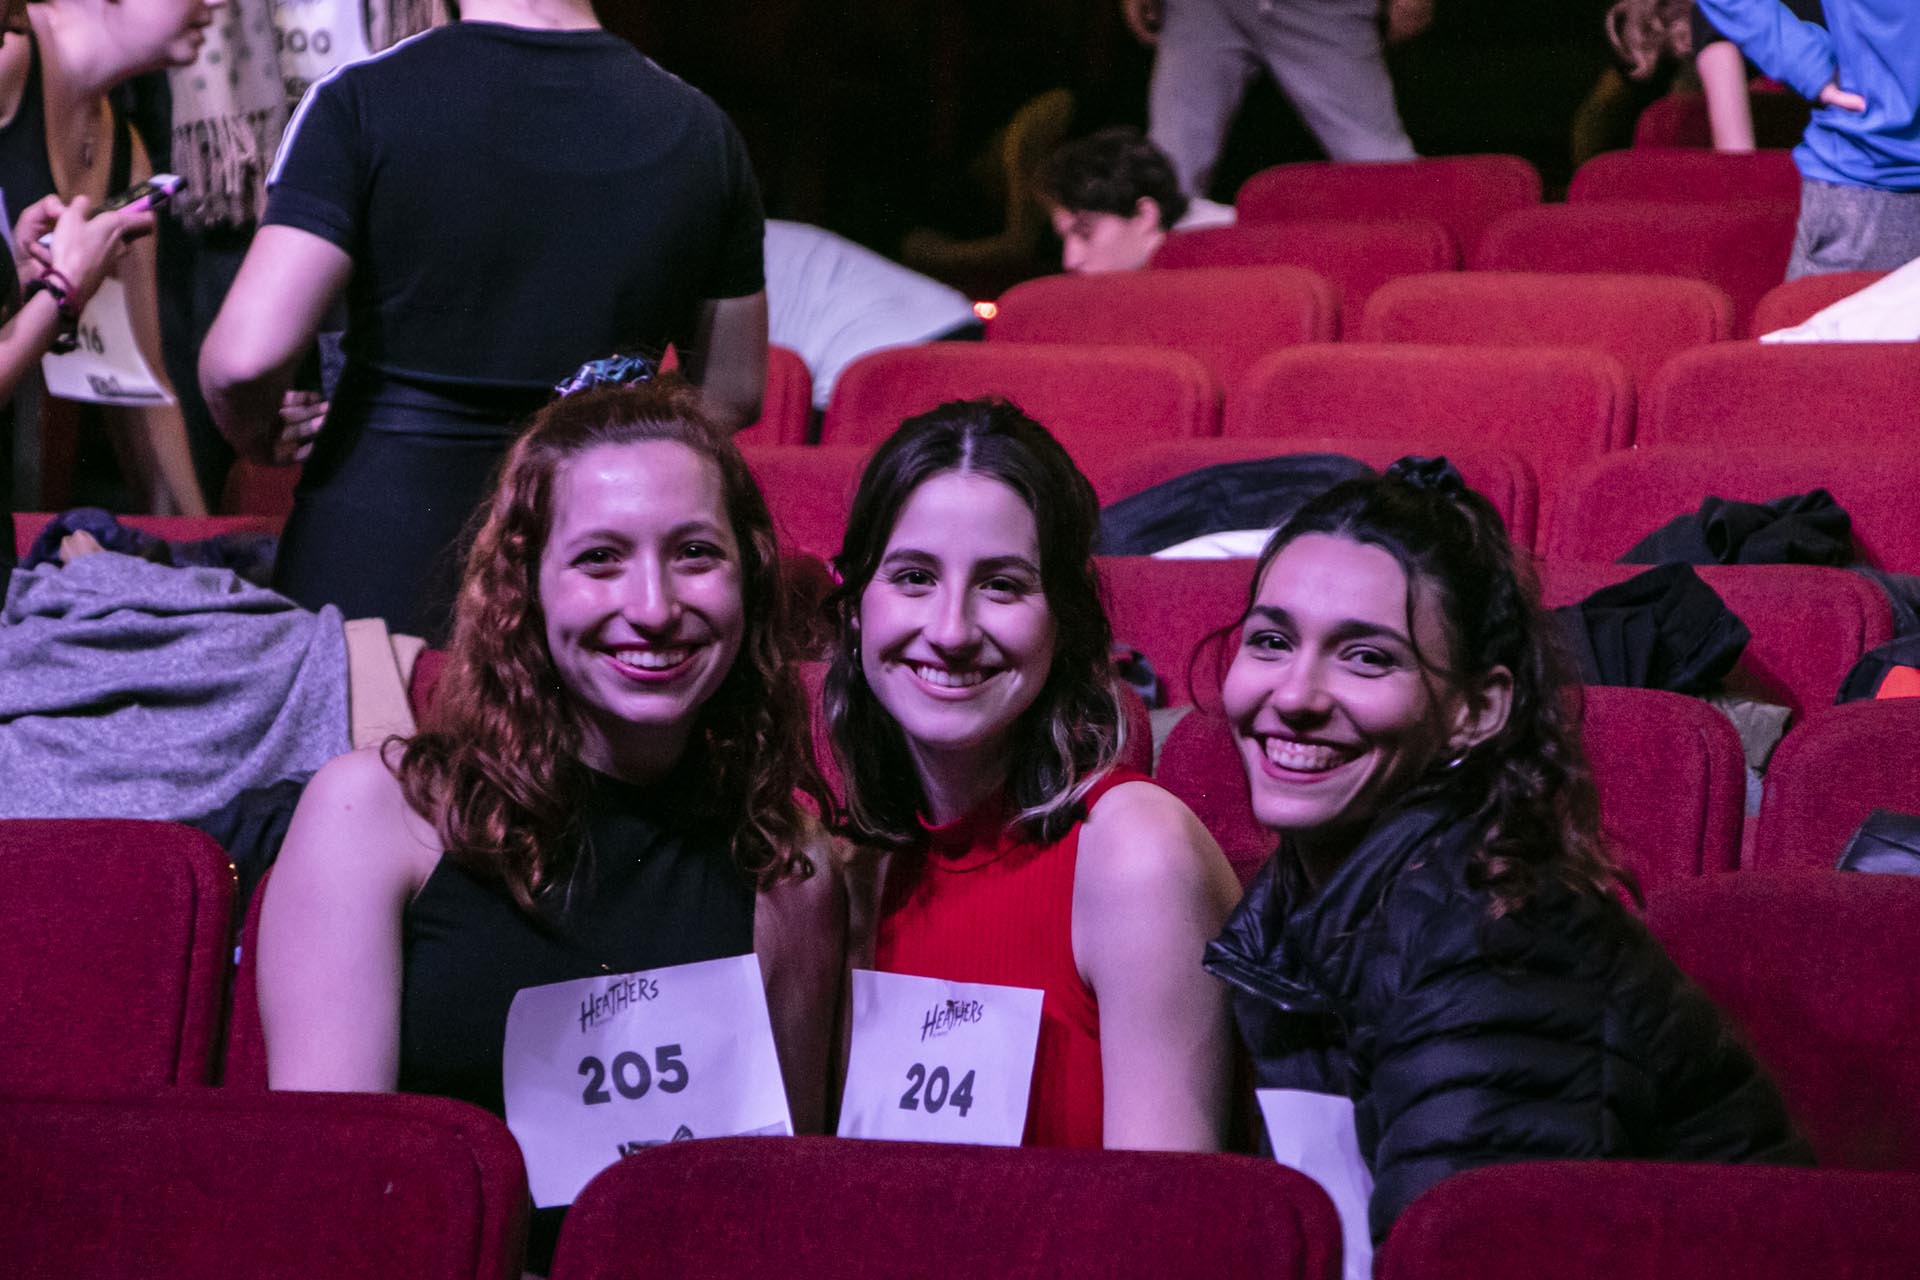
1645 31
1528 785
498 770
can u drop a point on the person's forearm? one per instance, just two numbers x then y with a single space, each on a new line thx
24 339
1798 54
1723 75
245 409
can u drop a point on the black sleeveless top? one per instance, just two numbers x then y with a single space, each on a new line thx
648 895
26 168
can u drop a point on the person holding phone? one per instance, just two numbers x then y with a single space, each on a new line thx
498 201
59 136
59 277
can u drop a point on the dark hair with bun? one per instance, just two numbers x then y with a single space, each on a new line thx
1528 784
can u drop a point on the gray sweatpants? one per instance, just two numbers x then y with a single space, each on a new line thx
1848 228
1326 55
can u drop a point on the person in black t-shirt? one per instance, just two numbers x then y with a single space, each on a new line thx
498 200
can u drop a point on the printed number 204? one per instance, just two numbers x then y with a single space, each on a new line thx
938 1089
631 1076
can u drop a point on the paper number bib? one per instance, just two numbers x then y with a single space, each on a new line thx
599 1068
938 1061
1313 1133
107 367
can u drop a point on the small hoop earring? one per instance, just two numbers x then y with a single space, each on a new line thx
1456 760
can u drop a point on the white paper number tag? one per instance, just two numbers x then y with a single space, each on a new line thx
1313 1132
599 1068
937 1061
107 367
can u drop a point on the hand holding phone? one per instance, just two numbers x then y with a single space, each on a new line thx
142 197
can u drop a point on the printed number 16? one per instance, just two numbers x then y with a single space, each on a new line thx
937 1085
631 1075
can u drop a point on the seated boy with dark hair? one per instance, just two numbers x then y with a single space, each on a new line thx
1113 199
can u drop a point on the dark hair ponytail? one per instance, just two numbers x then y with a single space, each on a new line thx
1528 784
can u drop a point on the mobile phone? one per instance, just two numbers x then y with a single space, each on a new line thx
151 194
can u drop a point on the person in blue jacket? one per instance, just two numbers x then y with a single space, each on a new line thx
1860 158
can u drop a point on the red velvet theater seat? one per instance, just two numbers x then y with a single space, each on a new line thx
259 489
1093 399
1619 499
1556 408
1502 476
1798 395
1643 321
1680 119
1464 194
1169 610
809 489
1831 771
787 405
1668 770
1687 175
1620 1220
271 1186
1224 317
28 524
244 1064
1816 969
1356 257
1741 246
828 1207
1797 301
113 955
1809 624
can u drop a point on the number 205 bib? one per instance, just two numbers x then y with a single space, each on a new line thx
599 1068
938 1061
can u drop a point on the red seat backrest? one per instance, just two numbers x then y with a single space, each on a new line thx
1680 119
949 1211
1668 769
259 489
28 524
1740 246
1621 1220
324 1186
244 1065
1816 969
1093 399
1797 301
1464 194
1168 609
1687 175
1619 499
113 955
1556 408
1224 317
809 490
1799 395
1834 768
788 404
1809 624
1502 476
1643 321
1356 257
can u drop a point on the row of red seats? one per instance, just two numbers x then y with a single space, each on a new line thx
346 1187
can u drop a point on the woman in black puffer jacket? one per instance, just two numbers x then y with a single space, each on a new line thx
1438 937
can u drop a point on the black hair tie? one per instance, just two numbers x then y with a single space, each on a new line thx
609 371
1430 475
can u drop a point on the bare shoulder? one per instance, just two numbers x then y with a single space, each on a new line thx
354 815
1139 836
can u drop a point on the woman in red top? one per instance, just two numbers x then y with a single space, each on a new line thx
976 720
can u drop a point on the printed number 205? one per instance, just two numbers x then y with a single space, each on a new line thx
938 1089
631 1076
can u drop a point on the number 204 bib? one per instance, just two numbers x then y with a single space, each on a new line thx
599 1068
938 1061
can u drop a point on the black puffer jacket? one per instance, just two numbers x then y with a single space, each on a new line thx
1558 1031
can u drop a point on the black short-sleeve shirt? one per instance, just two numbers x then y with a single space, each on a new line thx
517 201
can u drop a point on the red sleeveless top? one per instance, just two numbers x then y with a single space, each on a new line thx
986 906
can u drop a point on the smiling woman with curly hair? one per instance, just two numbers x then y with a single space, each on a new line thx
611 781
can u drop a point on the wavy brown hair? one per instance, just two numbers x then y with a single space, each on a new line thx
1645 31
1074 731
498 771
1528 786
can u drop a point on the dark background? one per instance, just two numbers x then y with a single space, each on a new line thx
865 115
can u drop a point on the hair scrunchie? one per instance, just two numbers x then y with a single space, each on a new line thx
1430 475
609 371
